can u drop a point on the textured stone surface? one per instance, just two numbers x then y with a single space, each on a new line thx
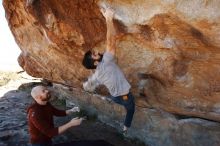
155 127
14 126
168 49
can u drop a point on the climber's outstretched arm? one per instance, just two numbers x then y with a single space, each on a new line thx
108 13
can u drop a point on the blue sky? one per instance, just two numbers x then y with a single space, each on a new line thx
9 51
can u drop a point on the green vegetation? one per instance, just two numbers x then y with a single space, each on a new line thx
84 113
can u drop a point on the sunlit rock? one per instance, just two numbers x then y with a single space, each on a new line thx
168 49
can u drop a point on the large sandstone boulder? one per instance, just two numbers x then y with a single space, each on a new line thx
168 49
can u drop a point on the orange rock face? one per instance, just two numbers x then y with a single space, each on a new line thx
168 49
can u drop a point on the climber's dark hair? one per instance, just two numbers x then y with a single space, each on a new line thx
88 61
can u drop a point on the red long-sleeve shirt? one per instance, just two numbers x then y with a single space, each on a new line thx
40 122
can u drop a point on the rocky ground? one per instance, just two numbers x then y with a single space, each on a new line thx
14 100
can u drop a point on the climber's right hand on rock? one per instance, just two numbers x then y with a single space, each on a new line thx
108 13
